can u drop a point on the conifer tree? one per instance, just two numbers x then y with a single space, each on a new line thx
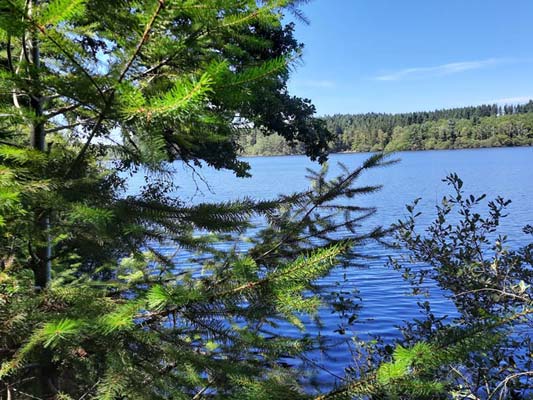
473 127
93 90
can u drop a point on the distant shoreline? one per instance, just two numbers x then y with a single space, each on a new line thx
379 151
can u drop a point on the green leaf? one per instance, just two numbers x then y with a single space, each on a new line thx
122 319
185 94
158 297
211 346
57 11
54 332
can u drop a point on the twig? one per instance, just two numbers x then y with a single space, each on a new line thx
203 390
109 100
90 390
465 380
500 291
28 395
62 127
503 384
144 38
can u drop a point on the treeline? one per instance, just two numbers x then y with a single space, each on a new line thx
456 128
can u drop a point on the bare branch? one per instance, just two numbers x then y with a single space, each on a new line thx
525 299
70 126
143 40
62 110
503 384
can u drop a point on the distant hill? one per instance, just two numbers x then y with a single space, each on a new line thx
456 128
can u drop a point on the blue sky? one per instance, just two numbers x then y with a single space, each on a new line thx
412 55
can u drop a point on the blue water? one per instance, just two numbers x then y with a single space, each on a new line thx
507 172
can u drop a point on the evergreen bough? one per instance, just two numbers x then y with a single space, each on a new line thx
91 307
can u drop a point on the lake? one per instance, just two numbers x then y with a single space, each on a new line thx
507 172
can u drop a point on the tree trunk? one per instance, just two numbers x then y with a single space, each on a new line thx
43 252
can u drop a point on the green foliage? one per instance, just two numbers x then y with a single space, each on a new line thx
468 127
143 317
95 301
462 252
60 11
482 353
184 96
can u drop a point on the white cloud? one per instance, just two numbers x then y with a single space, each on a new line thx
511 100
439 70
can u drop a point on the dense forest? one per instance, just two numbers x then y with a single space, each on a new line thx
456 128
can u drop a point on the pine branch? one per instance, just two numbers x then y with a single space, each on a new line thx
110 98
69 126
144 38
